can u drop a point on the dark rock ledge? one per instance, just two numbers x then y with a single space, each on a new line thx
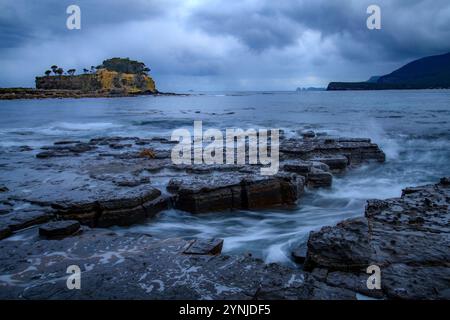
124 180
407 237
32 93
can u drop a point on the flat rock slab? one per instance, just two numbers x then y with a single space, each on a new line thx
407 237
335 162
100 204
205 246
105 181
229 191
130 266
20 220
354 149
59 229
5 231
318 178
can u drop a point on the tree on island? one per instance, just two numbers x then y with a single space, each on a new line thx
47 73
124 65
85 70
92 69
59 71
71 71
54 68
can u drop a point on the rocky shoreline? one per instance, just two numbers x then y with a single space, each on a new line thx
57 200
31 93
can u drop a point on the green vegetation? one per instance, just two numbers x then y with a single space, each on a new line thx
54 68
119 65
124 65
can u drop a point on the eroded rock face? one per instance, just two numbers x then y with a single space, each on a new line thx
15 221
355 150
229 191
59 229
407 237
107 209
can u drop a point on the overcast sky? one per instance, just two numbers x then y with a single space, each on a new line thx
224 44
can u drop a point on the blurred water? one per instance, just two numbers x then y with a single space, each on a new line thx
412 127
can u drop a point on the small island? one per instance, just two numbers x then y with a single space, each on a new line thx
116 77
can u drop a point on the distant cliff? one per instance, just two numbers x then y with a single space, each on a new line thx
427 73
114 76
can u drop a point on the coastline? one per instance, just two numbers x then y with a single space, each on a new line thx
128 266
32 93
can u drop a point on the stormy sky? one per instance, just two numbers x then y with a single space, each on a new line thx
223 44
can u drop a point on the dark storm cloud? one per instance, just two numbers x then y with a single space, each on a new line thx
408 27
218 44
22 20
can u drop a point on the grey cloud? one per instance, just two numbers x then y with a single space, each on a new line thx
22 20
408 26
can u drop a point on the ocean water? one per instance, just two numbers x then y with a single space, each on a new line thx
412 127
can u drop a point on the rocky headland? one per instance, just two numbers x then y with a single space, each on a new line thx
431 72
55 203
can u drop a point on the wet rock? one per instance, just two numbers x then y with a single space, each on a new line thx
308 134
352 281
203 194
335 163
104 208
25 148
401 281
205 247
104 141
445 181
299 254
64 150
131 182
143 142
59 229
322 291
407 237
130 266
318 178
343 247
5 231
321 166
356 150
5 208
3 189
234 191
260 192
66 142
49 154
120 145
298 166
163 140
24 219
